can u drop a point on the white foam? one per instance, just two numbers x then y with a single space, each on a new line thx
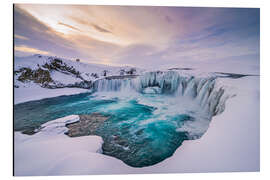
230 144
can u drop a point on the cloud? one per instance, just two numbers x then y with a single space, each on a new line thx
42 37
30 50
38 34
138 35
69 26
88 22
100 29
20 37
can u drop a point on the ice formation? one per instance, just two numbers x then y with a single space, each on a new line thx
203 90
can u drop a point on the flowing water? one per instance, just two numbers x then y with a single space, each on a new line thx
149 117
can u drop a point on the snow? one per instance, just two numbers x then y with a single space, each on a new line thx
231 143
35 92
233 65
64 78
85 68
29 91
205 89
51 152
33 61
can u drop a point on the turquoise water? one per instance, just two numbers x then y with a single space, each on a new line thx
141 130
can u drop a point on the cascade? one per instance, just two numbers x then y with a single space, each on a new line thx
204 90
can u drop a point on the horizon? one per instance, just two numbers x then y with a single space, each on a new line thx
69 59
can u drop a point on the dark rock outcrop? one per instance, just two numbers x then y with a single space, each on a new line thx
42 75
38 76
87 125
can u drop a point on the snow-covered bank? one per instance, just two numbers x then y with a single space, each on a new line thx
231 65
35 92
51 152
230 144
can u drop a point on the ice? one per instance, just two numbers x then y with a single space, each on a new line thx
231 142
204 90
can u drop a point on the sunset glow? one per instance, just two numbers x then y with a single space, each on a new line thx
135 35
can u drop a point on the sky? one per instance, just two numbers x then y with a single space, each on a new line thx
142 36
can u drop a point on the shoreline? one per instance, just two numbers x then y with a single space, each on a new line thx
226 146
25 94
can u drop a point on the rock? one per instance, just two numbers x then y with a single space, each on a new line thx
121 77
42 75
87 125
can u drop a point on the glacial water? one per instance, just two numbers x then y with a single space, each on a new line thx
148 118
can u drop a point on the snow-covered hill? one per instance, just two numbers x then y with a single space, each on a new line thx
55 72
38 76
48 76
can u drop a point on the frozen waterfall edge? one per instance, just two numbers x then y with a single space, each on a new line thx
209 94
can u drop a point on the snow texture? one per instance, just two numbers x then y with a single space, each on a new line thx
231 144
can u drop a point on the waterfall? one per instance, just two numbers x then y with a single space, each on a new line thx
107 85
203 90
